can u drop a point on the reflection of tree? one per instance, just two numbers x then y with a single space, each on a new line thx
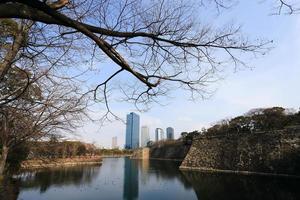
9 189
131 179
168 170
59 177
209 186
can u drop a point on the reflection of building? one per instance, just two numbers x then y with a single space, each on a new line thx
159 134
170 133
132 131
131 179
144 171
144 136
114 142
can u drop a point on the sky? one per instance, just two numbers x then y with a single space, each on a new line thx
270 80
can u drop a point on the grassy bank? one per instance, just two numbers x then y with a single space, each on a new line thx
115 155
59 162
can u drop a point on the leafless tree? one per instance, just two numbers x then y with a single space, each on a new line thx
160 43
36 100
27 52
287 6
55 108
278 6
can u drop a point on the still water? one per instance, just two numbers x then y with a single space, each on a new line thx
123 178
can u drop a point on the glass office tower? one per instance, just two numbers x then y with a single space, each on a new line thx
132 131
170 133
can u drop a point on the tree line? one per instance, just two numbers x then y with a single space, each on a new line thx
45 150
69 149
60 149
261 119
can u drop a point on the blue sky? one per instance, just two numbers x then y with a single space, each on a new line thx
271 80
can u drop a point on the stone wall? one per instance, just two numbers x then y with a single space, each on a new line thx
170 150
140 153
262 152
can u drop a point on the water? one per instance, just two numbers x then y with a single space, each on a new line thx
122 178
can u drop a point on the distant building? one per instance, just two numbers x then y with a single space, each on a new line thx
159 134
145 138
114 143
170 133
132 131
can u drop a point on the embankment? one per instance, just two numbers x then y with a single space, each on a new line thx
115 155
276 152
60 162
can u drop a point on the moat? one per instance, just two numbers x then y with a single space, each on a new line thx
123 178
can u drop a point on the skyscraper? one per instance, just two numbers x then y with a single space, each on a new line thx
132 131
159 134
114 143
170 133
144 136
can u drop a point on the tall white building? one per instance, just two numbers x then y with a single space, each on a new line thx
159 134
145 138
114 143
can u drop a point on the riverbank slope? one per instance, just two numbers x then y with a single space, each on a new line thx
60 162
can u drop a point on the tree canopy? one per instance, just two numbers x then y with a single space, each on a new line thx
262 119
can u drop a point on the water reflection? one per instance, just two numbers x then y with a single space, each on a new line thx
230 187
167 170
131 179
58 177
144 166
9 189
120 178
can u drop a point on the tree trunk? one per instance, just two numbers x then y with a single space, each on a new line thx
3 159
